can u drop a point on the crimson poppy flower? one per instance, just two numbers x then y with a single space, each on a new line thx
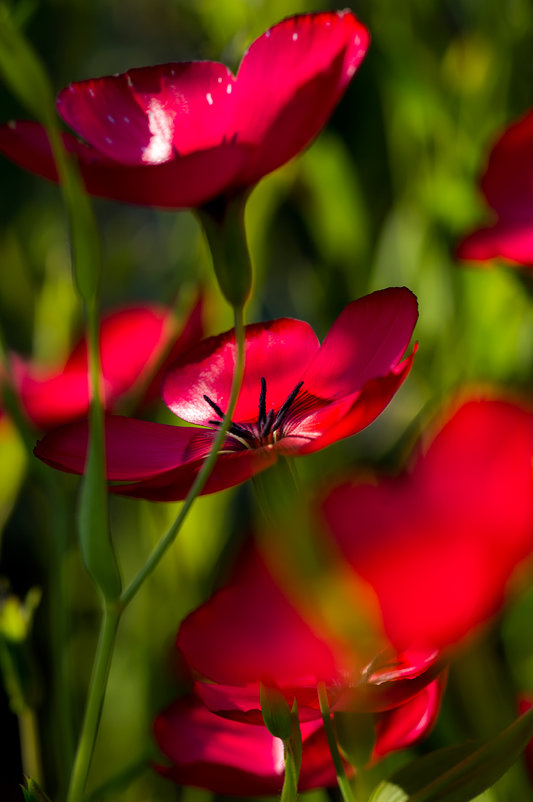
297 396
132 342
181 134
231 757
508 189
439 543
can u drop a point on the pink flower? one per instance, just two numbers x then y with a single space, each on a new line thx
181 134
508 189
439 543
297 396
132 341
232 757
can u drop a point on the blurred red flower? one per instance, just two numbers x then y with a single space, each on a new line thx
133 341
297 396
439 543
232 757
181 134
508 189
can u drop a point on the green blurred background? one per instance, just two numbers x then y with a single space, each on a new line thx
379 199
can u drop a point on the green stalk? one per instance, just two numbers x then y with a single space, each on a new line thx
204 473
342 779
95 700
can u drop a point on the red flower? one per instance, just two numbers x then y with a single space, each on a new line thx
297 396
230 757
439 543
180 134
508 188
132 341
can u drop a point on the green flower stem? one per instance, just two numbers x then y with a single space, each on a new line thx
30 744
95 700
203 475
342 779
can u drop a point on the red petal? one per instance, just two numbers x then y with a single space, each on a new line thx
249 631
188 181
366 342
407 724
160 461
508 180
153 115
131 340
135 449
289 82
230 757
506 239
439 545
242 702
350 415
279 350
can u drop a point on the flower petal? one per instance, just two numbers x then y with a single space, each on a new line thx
506 239
438 545
278 350
407 724
289 82
230 757
249 631
366 342
131 341
153 115
188 181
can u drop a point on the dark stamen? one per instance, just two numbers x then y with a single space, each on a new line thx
286 406
267 426
236 429
214 406
262 403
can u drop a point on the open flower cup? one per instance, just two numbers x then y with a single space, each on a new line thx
507 185
137 343
181 134
438 545
297 396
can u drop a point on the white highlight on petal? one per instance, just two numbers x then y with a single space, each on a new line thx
109 140
91 91
351 70
209 98
161 124
267 34
126 119
110 118
228 89
219 79
294 37
357 40
278 755
129 81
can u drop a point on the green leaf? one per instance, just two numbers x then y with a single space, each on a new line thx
458 773
356 736
276 712
33 793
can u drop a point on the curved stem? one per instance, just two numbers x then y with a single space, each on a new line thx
342 779
203 475
95 700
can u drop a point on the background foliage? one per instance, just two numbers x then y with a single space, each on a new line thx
379 199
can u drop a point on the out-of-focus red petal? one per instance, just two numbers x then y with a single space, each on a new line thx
278 350
188 181
506 239
248 631
438 545
153 115
508 180
366 342
130 343
289 82
405 725
242 702
230 757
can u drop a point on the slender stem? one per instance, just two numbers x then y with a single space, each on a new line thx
204 473
95 700
30 744
342 779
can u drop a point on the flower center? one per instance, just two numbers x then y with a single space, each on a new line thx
269 426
